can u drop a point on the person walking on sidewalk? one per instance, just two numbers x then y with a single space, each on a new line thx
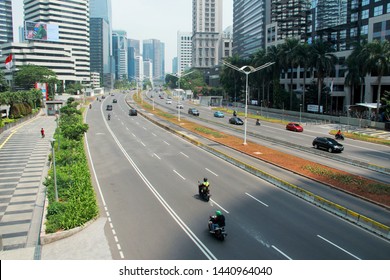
43 132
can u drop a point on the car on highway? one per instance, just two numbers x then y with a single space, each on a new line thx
328 144
193 111
114 101
132 112
294 127
219 114
236 121
169 101
179 106
109 108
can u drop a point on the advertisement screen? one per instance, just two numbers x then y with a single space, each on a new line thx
41 31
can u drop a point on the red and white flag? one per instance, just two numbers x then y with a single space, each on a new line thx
8 62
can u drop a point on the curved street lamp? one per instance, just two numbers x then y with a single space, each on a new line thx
247 69
178 84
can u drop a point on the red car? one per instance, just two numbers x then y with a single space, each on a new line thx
294 127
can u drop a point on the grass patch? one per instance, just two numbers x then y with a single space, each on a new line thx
362 137
208 131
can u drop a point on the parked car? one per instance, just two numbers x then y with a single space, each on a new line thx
179 106
169 101
193 111
109 108
114 101
219 114
294 127
328 144
236 120
132 112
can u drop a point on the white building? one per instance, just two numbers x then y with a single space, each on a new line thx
184 51
206 32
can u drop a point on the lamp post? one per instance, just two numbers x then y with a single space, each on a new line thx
300 113
247 69
52 140
178 84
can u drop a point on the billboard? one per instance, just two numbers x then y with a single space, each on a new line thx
43 87
41 31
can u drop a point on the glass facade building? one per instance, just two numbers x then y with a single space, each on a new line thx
6 28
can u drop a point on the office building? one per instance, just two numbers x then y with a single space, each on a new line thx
227 43
133 50
184 51
6 28
154 50
250 18
119 46
206 33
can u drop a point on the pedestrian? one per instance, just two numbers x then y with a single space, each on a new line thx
43 132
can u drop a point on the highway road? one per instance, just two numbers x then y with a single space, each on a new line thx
147 180
276 135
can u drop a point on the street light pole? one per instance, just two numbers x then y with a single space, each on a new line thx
178 84
300 113
247 69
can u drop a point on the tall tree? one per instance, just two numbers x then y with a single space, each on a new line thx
303 56
378 62
28 75
289 51
323 61
274 55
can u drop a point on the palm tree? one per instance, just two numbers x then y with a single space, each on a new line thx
378 61
230 78
303 53
289 49
323 61
274 55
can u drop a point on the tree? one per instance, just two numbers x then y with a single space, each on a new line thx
230 79
378 62
30 74
323 61
3 83
289 50
303 54
274 55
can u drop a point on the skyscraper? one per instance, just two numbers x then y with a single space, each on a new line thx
250 18
6 31
119 46
206 32
101 40
154 50
73 34
184 51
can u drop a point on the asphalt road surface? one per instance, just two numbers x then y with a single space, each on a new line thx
148 183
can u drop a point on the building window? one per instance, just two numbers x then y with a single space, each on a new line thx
378 11
354 17
364 29
353 32
365 14
365 2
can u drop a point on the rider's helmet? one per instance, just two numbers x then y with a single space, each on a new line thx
204 179
218 213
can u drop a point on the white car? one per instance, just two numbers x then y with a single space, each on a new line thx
169 101
179 106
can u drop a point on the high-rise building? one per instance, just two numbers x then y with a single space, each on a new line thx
119 46
184 51
250 18
136 45
73 34
6 28
133 50
227 42
102 60
206 32
154 50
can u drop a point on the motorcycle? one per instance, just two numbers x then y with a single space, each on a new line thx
90 106
257 122
109 117
218 232
204 192
339 137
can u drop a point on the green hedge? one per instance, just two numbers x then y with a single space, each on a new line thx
77 199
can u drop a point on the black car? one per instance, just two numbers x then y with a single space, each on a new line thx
236 120
193 111
132 112
114 101
109 108
328 144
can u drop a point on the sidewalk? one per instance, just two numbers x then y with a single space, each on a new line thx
23 168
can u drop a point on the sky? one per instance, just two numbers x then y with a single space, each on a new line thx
147 19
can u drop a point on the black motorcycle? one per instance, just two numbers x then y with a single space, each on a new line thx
218 232
204 192
109 117
339 137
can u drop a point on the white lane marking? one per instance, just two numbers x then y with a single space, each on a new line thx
212 172
184 155
122 123
144 128
142 143
167 143
179 174
338 247
213 201
134 135
266 205
281 252
156 156
127 128
154 134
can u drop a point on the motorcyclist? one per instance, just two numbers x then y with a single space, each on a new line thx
90 106
109 116
257 122
218 220
339 135
204 186
235 113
